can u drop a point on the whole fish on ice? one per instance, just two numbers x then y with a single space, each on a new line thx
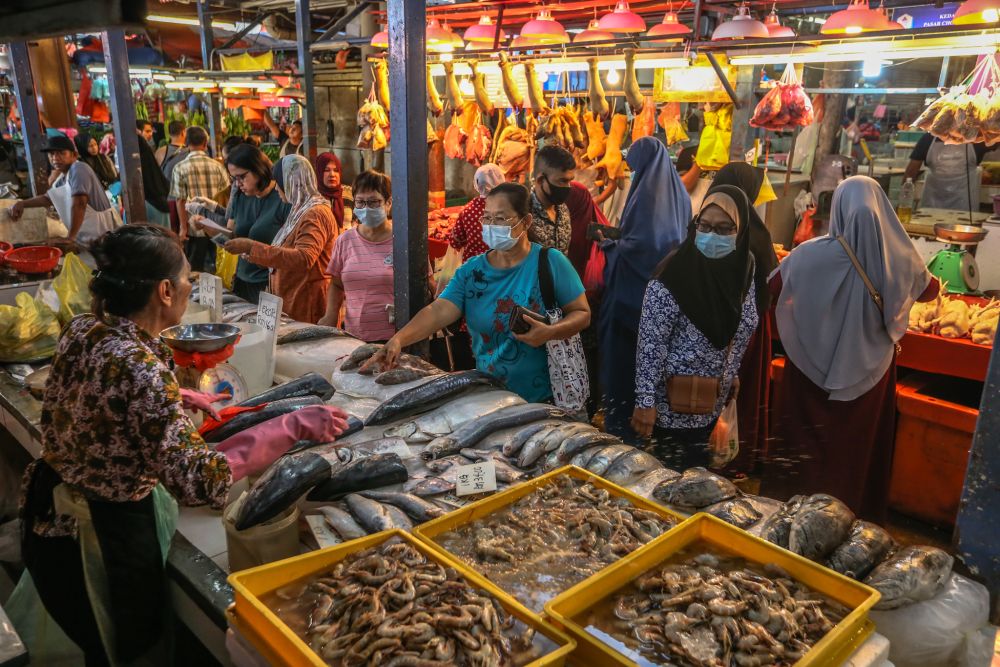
446 418
281 486
417 508
519 435
777 527
644 485
370 472
310 384
342 523
736 511
694 489
429 395
373 516
631 466
470 433
312 332
605 457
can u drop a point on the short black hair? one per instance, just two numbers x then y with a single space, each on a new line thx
685 159
554 157
232 142
141 124
253 159
297 122
517 196
371 180
196 136
175 127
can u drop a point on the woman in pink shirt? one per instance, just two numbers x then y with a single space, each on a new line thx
361 266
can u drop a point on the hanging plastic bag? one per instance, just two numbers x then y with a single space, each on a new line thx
724 443
444 268
72 286
785 106
225 266
28 330
713 148
593 272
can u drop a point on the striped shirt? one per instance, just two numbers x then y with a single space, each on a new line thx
365 269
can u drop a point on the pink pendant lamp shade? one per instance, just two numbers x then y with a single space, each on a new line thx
972 12
593 33
741 26
670 26
622 20
774 27
483 31
545 29
856 19
528 43
455 40
381 39
436 35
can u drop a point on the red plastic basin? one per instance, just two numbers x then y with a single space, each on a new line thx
4 249
33 259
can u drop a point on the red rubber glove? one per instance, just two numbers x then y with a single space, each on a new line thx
253 450
197 400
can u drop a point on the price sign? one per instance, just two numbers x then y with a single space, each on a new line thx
210 294
476 478
269 316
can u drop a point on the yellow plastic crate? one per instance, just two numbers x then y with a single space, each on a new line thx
477 510
279 644
832 650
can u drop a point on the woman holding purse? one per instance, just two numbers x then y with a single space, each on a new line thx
698 315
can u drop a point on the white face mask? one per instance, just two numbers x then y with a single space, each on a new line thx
498 237
370 217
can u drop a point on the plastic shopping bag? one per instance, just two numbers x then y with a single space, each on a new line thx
724 443
225 266
28 330
72 287
593 272
444 268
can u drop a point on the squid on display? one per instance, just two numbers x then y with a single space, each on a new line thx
598 100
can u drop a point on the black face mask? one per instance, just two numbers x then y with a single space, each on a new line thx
557 194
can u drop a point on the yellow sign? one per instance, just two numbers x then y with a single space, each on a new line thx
697 83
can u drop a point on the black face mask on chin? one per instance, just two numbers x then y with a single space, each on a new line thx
557 194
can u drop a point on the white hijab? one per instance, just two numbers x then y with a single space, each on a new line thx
487 177
301 191
829 325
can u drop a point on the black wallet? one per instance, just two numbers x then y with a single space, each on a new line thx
518 325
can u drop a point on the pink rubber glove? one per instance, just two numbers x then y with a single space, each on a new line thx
198 400
253 450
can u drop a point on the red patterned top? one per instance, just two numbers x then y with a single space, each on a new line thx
467 234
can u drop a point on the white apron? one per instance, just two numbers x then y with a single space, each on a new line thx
94 224
952 178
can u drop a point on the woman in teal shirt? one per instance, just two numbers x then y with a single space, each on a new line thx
256 212
486 288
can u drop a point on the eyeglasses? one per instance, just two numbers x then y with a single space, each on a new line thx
241 177
724 229
371 203
490 220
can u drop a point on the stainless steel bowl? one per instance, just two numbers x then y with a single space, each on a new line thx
959 233
200 337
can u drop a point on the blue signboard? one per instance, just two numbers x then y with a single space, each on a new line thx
925 17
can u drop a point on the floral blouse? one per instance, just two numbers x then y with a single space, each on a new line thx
467 234
547 232
670 344
113 425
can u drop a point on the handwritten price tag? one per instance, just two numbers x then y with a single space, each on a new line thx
210 294
268 316
476 478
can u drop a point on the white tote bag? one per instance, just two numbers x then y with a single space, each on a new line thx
567 363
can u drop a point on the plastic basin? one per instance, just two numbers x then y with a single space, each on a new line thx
33 259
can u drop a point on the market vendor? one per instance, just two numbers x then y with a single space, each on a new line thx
952 181
77 195
291 141
487 287
98 507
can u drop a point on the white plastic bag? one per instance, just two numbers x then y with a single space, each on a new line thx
724 443
949 630
444 268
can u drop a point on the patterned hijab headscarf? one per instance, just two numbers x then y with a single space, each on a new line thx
295 176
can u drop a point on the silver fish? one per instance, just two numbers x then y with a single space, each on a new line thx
428 486
582 441
471 432
311 332
601 461
866 546
398 517
777 526
440 465
913 574
557 436
521 435
372 516
694 489
631 466
551 461
429 395
820 525
584 455
342 522
448 417
415 507
644 485
736 511
533 449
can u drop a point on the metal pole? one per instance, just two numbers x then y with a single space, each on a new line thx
207 47
303 38
123 115
697 19
979 512
31 124
408 120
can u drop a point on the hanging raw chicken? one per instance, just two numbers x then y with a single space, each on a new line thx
598 100
434 104
477 145
513 154
454 140
479 85
644 124
509 86
631 86
536 96
373 123
455 97
382 83
597 138
612 160
562 127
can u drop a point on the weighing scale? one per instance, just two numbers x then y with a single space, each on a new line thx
200 355
955 266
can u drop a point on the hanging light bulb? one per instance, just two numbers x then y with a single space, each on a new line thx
741 26
484 31
613 76
545 29
972 12
871 68
773 24
622 20
856 19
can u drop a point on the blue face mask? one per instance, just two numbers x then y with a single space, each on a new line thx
714 246
498 237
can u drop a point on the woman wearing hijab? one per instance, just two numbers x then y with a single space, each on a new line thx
90 153
330 172
836 411
300 251
656 214
698 316
467 233
755 371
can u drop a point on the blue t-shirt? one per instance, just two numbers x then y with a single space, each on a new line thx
257 218
486 295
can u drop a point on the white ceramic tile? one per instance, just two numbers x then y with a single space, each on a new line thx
203 527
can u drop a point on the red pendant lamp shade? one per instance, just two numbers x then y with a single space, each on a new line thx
593 33
622 20
856 19
381 39
484 31
972 12
545 29
774 27
741 26
670 26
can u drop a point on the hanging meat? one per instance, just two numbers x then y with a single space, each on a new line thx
434 104
644 124
373 122
597 138
598 100
612 160
454 140
509 87
479 85
670 120
513 153
562 127
536 96
382 83
785 106
477 145
455 97
632 91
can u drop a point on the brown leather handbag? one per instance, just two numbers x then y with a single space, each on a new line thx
695 394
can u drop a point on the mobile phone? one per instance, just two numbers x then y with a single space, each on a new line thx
608 231
517 323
